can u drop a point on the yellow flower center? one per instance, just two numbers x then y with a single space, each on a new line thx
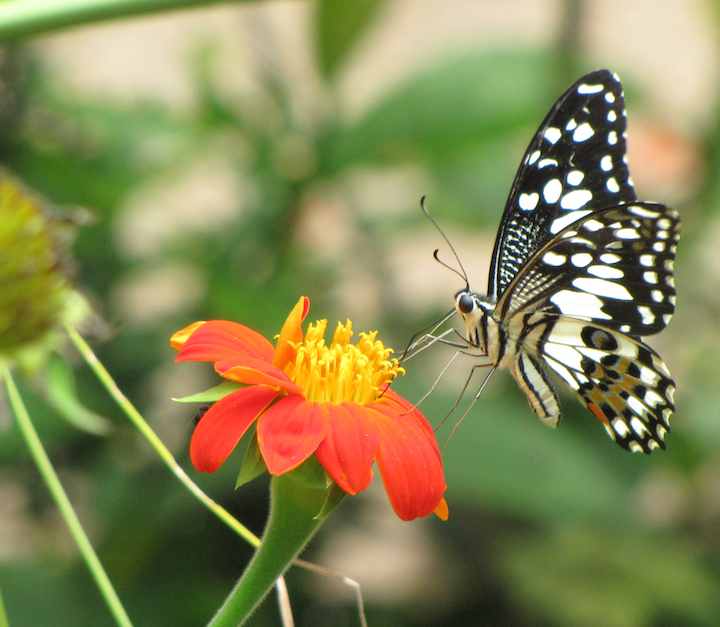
342 372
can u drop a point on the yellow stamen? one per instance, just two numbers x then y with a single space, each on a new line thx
342 372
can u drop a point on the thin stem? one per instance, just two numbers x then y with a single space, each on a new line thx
22 18
4 622
45 467
146 430
283 597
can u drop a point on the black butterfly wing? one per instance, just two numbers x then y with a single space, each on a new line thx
574 164
614 266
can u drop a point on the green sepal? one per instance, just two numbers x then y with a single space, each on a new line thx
335 494
210 395
311 474
252 465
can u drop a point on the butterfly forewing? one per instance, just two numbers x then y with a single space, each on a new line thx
614 266
575 163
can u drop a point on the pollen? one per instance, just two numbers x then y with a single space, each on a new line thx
341 371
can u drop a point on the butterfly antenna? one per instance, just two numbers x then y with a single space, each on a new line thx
463 274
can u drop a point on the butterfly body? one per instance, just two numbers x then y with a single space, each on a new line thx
581 271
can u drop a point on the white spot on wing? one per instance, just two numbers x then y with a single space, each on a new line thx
610 97
606 163
585 88
553 259
580 260
593 225
528 202
610 258
534 157
575 177
552 134
648 317
601 287
543 163
612 138
576 199
552 191
647 260
620 427
572 303
605 272
612 185
583 132
611 116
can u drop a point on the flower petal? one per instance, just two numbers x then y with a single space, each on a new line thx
291 332
290 432
255 371
409 459
349 447
216 340
178 339
222 426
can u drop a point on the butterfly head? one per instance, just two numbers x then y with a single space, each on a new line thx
474 311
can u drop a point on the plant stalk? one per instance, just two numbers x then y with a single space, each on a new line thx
292 522
45 467
23 18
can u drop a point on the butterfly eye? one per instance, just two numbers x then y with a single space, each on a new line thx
465 303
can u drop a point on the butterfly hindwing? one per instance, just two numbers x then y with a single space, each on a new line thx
575 163
622 381
614 266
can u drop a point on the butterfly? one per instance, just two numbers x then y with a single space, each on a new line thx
581 271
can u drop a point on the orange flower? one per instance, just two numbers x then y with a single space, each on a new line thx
309 397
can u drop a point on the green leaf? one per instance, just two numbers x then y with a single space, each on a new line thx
456 105
338 27
252 465
62 396
210 395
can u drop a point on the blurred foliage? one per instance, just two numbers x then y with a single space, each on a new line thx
547 527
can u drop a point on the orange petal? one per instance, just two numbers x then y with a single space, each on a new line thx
349 447
222 426
290 432
179 338
255 371
221 339
409 459
442 511
291 332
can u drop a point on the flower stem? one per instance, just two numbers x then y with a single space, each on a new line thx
292 522
22 18
45 467
146 430
4 622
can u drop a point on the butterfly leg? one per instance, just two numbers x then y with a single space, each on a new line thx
460 396
474 399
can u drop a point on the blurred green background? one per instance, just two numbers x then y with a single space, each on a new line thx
239 156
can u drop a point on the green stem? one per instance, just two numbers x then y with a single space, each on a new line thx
4 622
292 522
146 430
22 18
45 467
